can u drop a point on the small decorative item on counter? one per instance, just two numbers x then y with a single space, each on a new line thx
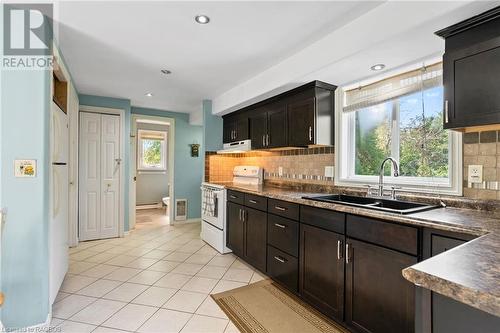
195 150
25 168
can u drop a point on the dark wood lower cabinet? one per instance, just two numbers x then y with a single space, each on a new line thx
282 267
235 229
321 273
378 298
256 237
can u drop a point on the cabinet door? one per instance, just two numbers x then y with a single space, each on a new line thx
277 129
256 237
301 131
378 298
471 85
235 228
321 269
258 129
449 315
241 128
228 130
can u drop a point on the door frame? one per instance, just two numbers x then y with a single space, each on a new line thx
121 114
133 163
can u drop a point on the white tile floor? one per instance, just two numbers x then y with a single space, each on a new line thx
157 279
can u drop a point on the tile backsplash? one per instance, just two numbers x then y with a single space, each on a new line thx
308 165
482 148
305 165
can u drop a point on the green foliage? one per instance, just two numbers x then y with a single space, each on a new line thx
152 152
423 150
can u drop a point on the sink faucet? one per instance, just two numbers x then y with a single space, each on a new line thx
381 175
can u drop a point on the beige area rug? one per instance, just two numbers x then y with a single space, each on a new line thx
265 306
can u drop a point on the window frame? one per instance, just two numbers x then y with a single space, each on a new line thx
140 150
345 158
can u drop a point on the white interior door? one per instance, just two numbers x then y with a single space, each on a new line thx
90 176
110 175
99 180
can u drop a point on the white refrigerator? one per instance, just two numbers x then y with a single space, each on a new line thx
59 183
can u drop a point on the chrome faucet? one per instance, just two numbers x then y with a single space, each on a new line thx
381 175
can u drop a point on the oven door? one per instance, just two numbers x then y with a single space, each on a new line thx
213 216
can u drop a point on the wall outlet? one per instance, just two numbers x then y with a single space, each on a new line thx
475 174
280 171
329 170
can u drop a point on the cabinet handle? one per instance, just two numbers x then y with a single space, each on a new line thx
233 197
280 225
347 253
240 215
263 141
446 115
281 260
280 208
267 140
252 201
310 133
339 254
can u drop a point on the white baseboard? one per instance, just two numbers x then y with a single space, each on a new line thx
152 206
196 220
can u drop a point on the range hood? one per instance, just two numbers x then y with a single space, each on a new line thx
236 147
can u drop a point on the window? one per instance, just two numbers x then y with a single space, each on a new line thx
399 117
151 150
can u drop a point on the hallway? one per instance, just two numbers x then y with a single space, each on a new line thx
157 279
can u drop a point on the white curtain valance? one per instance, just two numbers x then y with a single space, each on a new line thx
152 135
393 87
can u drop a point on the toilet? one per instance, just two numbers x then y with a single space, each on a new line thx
166 201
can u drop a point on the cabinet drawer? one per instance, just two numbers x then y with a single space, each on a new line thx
323 218
391 235
255 201
282 268
283 208
235 196
283 234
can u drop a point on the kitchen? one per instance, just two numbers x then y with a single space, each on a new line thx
252 167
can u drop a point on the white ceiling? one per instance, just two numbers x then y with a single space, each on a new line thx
117 49
248 51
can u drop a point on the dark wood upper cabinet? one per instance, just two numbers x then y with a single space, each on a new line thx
258 129
296 118
378 298
235 128
276 126
301 122
321 270
471 71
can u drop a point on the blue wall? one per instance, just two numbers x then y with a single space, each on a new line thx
212 128
25 135
188 171
124 104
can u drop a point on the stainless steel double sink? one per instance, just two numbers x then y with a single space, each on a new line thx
381 204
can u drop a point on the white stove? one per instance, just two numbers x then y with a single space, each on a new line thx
213 205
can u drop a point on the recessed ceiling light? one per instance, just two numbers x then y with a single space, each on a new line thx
377 67
149 95
202 19
166 71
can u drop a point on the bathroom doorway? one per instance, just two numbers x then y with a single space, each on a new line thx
152 170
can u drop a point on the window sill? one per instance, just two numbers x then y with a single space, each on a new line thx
151 172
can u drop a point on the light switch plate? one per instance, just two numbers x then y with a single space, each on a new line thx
280 171
329 170
475 174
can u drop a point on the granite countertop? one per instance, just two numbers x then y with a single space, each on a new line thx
469 273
